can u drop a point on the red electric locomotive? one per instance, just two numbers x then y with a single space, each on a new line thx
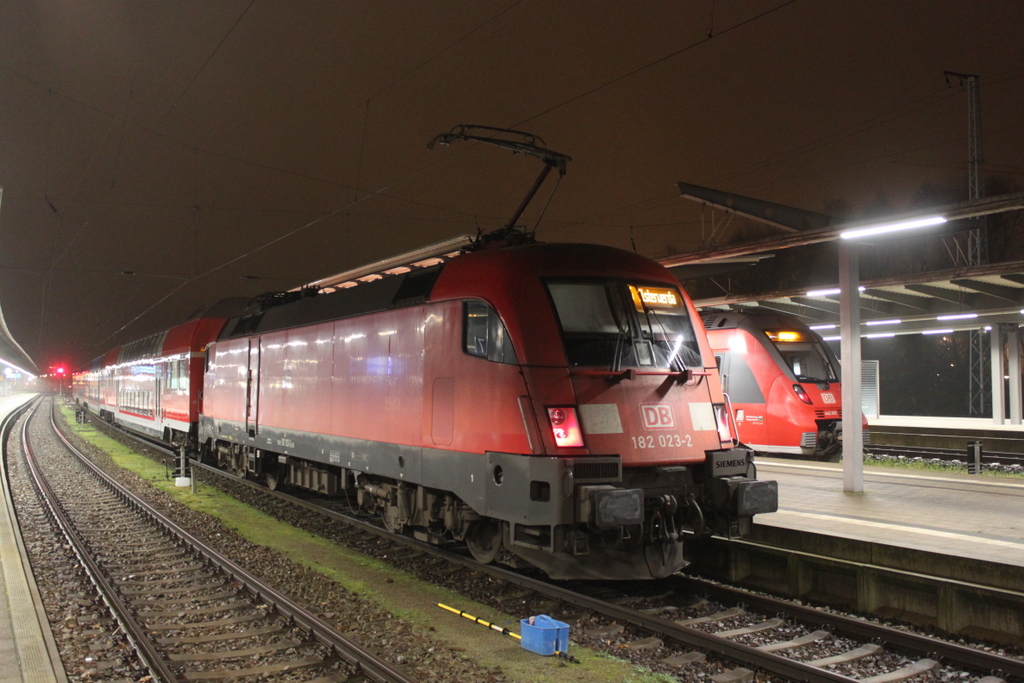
556 404
782 381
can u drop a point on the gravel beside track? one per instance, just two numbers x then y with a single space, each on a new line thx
945 459
601 633
88 638
625 641
90 643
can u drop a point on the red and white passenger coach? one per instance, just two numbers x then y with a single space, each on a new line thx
151 385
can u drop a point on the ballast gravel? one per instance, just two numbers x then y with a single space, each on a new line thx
92 650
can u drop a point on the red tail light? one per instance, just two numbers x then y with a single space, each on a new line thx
801 394
722 418
565 427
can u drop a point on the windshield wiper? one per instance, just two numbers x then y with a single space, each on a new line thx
673 357
621 338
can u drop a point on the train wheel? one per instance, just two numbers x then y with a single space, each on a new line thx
484 539
273 479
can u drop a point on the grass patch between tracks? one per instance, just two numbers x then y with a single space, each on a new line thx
927 465
397 592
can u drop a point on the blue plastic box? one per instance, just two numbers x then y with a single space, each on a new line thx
544 636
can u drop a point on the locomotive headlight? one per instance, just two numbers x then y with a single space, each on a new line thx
801 394
722 418
565 427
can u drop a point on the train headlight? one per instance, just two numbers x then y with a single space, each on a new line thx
722 418
801 394
565 427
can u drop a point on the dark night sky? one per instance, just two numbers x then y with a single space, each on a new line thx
203 144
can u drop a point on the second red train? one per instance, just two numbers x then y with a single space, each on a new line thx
782 381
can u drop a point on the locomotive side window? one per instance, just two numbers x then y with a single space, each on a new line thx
484 334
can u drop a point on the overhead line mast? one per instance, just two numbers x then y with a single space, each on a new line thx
976 253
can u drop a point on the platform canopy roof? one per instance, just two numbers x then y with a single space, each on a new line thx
963 298
959 299
11 353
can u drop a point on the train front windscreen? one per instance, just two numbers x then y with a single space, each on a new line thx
614 325
806 357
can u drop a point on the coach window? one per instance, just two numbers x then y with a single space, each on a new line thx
484 334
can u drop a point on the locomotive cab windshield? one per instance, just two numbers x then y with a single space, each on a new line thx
809 359
614 325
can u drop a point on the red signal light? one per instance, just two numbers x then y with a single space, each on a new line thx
60 369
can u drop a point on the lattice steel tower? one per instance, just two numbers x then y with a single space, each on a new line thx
976 251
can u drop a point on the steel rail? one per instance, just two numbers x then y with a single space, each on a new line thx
52 650
782 666
853 627
772 663
370 665
134 631
944 454
850 626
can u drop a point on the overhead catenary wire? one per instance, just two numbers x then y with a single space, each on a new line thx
648 65
206 63
661 200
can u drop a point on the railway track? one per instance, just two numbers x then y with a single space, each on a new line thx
669 625
944 454
189 613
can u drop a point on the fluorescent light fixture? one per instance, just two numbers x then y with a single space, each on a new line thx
894 321
15 367
880 335
958 316
948 330
831 338
891 227
832 327
830 292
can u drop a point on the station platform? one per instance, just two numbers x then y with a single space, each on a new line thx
946 432
959 515
28 652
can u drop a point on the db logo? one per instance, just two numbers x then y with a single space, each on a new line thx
657 416
828 398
